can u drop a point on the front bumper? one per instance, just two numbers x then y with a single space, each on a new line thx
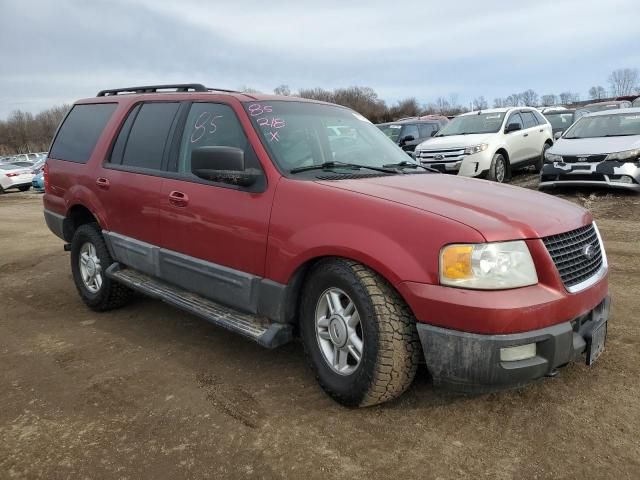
602 174
471 362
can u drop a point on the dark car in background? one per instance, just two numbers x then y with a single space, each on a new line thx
560 119
410 132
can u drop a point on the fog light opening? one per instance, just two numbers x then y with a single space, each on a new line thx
521 352
621 179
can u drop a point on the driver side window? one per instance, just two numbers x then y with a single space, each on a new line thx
515 118
213 125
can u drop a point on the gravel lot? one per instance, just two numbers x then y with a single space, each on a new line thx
148 391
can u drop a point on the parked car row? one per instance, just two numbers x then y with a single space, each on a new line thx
24 157
20 174
493 143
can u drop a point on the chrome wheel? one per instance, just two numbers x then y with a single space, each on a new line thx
338 331
90 268
500 170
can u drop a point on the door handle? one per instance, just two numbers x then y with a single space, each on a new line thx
178 199
542 130
526 135
103 183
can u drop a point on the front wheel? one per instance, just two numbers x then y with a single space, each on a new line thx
359 336
24 188
89 261
540 163
498 169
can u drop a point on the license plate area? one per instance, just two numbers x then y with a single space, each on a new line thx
595 342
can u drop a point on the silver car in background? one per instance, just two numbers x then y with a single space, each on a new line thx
600 149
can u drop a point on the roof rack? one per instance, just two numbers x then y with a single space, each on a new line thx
181 87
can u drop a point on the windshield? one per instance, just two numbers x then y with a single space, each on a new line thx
614 125
303 134
391 130
474 123
560 121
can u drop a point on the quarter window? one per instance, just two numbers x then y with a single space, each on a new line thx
80 132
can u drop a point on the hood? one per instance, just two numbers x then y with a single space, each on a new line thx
496 211
595 146
454 141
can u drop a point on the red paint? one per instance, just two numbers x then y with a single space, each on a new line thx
395 225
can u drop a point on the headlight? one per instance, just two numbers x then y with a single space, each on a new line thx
487 266
552 157
476 149
626 155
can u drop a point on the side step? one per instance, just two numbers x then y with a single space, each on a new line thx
266 333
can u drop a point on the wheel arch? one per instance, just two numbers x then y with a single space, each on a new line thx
76 216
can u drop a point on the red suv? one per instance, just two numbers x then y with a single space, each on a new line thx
277 217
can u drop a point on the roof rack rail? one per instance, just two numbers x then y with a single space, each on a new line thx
181 87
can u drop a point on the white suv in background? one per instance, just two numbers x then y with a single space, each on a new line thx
489 143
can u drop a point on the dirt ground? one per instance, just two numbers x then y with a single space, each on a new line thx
150 392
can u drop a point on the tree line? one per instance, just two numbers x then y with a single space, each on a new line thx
24 132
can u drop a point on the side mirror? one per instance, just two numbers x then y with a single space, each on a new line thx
557 135
222 164
513 127
407 138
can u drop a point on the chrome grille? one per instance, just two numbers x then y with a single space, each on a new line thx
568 251
444 155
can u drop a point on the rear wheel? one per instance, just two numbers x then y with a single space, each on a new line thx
89 262
359 336
24 188
498 169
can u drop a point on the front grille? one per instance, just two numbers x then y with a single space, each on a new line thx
444 155
583 158
568 253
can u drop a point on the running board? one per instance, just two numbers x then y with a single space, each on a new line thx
264 332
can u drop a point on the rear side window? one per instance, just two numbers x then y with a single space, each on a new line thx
80 131
143 144
529 120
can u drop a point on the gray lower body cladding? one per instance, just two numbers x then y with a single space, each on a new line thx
471 362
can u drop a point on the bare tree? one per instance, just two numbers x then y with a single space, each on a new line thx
499 102
566 98
597 92
247 89
623 81
23 132
282 90
480 103
405 108
549 100
529 98
512 100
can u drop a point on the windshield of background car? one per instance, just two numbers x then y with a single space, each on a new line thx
475 123
560 120
303 134
619 124
391 130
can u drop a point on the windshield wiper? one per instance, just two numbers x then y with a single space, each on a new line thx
406 164
334 164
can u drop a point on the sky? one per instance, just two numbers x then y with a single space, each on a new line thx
56 51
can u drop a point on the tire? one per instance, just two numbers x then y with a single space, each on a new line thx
540 163
108 294
24 188
1 190
499 168
389 350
